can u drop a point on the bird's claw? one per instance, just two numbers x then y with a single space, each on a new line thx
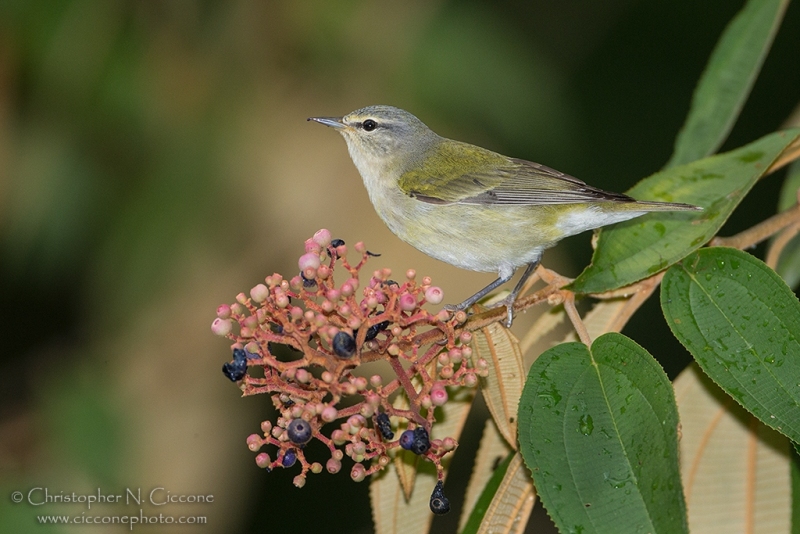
508 302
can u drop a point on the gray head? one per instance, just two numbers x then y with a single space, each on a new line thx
382 136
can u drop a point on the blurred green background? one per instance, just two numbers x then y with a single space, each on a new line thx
155 161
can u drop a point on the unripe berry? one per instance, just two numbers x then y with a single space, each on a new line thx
322 237
221 327
309 260
358 473
434 295
254 442
333 466
329 414
438 395
263 460
470 380
408 302
259 293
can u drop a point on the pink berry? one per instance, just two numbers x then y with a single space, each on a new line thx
358 473
221 327
470 380
324 272
322 237
262 460
333 466
254 442
407 302
309 260
438 395
312 246
434 295
329 414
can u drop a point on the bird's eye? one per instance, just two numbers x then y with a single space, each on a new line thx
369 125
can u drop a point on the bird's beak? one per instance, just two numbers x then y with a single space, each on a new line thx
333 122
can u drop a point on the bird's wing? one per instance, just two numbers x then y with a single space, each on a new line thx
465 174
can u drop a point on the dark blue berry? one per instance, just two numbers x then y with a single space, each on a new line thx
391 283
308 282
385 426
407 439
376 329
336 243
252 355
299 431
344 346
290 457
236 369
233 371
421 442
440 505
275 327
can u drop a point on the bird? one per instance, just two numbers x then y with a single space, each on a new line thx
469 206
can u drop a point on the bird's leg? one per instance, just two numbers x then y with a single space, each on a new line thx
479 295
508 302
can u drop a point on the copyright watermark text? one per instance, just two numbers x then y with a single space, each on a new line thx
93 501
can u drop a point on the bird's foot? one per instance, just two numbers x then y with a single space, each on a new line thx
457 307
508 302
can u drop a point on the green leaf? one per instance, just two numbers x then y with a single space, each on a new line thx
598 430
729 76
742 324
789 263
479 510
630 251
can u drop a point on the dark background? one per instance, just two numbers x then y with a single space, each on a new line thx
155 161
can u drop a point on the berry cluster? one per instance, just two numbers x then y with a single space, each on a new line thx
307 335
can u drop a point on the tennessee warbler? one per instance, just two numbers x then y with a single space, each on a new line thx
468 206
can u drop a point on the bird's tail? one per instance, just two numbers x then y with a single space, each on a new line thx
646 205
